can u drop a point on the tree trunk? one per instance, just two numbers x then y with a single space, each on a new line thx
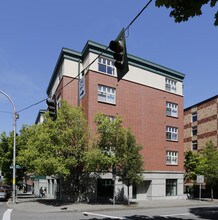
211 193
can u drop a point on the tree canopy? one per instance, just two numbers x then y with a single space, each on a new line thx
182 10
53 148
210 169
6 155
117 145
64 148
204 163
194 163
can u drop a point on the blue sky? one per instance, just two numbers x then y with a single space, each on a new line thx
33 33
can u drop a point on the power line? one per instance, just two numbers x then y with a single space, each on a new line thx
31 105
81 71
138 15
127 28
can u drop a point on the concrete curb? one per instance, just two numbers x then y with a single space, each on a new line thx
45 205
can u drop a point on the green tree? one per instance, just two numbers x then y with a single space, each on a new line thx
210 169
194 163
108 143
130 166
6 156
116 146
57 148
182 10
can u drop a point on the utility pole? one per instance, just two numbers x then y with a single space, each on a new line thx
14 148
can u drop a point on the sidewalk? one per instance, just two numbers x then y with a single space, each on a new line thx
31 204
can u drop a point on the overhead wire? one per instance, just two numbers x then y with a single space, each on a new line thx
81 71
125 29
31 105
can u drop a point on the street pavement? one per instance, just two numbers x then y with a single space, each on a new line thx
29 203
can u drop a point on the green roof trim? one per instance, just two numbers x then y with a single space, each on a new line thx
64 54
98 48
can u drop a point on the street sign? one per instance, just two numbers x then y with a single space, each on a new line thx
81 88
17 167
200 179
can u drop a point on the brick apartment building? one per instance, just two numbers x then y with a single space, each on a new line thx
150 101
201 124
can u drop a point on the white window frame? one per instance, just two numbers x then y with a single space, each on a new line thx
172 157
171 133
171 109
194 116
106 94
106 66
195 145
194 130
170 85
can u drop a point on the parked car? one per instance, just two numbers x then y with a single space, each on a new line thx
5 192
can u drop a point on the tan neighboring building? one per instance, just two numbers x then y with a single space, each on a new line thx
201 124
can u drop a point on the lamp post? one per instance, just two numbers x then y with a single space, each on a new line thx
14 148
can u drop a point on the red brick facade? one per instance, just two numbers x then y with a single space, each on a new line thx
141 99
142 108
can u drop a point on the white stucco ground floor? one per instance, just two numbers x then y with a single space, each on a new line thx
155 186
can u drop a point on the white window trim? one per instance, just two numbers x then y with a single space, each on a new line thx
194 114
194 130
173 131
195 143
171 109
106 92
109 64
172 157
170 85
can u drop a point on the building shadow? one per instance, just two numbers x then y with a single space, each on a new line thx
205 212
143 217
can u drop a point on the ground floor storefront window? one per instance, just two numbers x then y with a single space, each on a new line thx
171 187
105 188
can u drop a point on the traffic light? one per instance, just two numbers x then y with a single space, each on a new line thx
52 108
118 46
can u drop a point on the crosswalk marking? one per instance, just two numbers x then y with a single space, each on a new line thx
104 216
178 214
7 214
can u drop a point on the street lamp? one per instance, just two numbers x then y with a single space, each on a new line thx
14 148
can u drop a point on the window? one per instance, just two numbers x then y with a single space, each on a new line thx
170 85
171 187
171 133
112 118
194 117
106 66
105 188
194 145
194 130
172 158
106 94
171 109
